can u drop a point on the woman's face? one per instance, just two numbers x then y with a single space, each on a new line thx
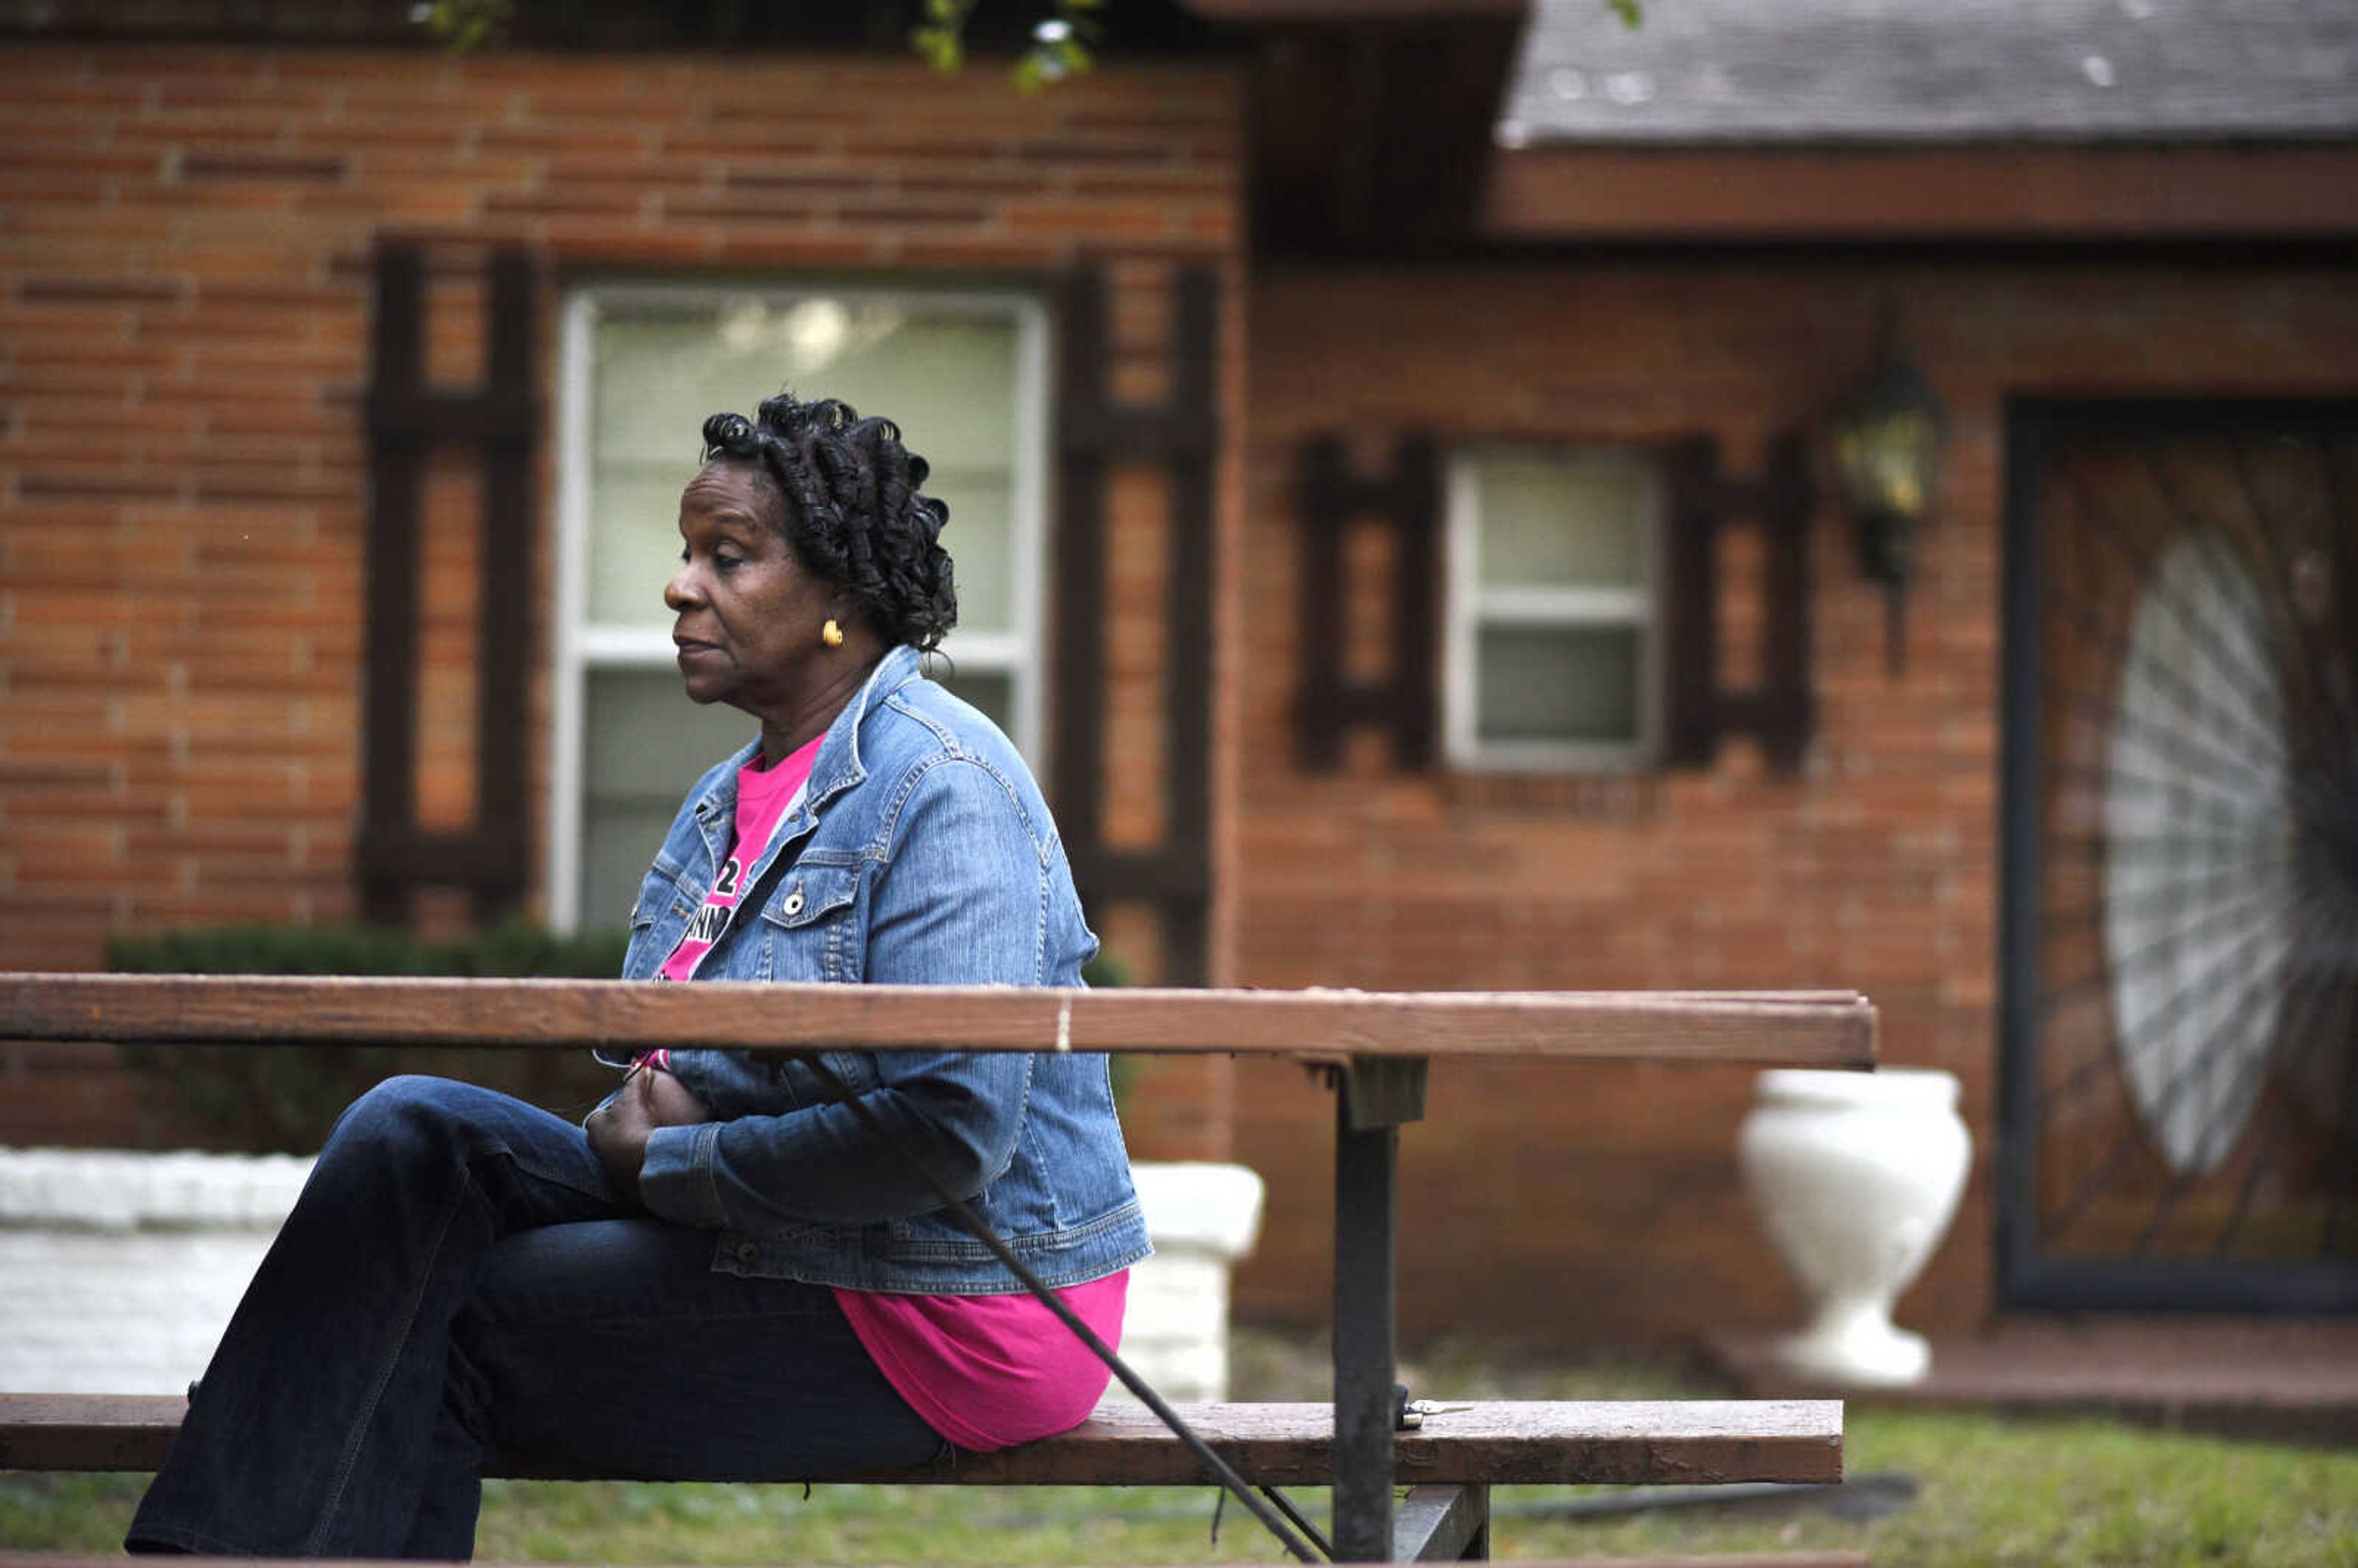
747 614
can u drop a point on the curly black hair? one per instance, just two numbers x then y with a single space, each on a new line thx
852 513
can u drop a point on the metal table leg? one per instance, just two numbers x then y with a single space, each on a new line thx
1373 1096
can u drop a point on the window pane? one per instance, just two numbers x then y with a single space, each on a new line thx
947 378
634 540
1574 684
648 363
644 743
1564 519
981 538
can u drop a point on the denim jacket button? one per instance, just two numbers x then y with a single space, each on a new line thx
794 904
747 1252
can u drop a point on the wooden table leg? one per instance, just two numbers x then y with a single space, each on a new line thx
1442 1524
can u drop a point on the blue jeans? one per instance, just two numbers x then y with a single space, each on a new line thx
459 1281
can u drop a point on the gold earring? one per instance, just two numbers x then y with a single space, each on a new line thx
831 633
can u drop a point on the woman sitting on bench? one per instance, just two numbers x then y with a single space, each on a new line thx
728 1273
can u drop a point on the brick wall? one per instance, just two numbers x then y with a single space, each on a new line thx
1579 1205
184 242
183 315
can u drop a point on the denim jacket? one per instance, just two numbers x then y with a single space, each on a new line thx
920 853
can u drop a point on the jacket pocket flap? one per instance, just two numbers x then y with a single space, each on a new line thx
809 892
658 891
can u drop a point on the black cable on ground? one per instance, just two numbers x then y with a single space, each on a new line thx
1219 1467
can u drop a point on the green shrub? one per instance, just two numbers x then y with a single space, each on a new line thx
515 949
283 1099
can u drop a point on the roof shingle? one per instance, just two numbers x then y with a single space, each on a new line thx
1913 71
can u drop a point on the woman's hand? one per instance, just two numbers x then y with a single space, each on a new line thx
670 1102
650 1097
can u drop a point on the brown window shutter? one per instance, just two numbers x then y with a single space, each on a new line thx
1693 620
1781 711
499 420
1182 437
1404 702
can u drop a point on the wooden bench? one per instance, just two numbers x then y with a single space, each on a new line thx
1448 1463
1374 1049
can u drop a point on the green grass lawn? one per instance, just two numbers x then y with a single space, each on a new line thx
1988 1490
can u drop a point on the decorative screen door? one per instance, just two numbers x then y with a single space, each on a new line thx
2180 918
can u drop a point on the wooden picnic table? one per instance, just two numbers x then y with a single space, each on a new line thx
1374 1045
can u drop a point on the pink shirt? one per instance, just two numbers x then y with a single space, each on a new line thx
763 796
984 1372
990 1371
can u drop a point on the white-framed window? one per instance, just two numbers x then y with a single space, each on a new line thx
1552 650
964 375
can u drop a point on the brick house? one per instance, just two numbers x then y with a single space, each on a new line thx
1388 444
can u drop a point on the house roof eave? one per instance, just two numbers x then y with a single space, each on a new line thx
1996 191
1261 12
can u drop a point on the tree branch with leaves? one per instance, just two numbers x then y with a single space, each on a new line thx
1063 43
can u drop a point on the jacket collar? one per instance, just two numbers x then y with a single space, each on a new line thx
838 766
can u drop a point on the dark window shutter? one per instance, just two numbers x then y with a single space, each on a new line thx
1331 500
1692 623
407 419
1182 436
1781 711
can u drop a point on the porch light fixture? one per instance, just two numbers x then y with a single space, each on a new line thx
1887 435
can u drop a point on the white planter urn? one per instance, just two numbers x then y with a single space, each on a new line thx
1202 1217
1855 1177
